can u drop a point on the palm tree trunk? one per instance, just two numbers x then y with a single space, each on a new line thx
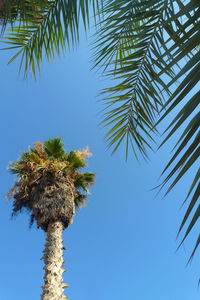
53 289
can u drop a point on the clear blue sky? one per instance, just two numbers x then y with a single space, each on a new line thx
122 245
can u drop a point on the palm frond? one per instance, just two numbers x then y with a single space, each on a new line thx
152 50
128 46
55 26
54 148
12 10
185 99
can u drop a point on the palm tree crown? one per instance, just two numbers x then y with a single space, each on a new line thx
48 178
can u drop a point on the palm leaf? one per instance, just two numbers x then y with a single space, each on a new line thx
151 49
128 48
185 100
12 10
55 26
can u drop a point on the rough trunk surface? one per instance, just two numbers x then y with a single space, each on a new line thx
52 200
53 289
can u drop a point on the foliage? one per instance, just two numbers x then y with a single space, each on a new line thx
51 157
128 45
151 50
47 30
23 10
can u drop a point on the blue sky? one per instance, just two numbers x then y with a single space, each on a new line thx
122 245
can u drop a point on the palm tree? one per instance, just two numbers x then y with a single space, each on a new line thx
50 187
151 50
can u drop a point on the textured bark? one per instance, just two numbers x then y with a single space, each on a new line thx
52 199
53 289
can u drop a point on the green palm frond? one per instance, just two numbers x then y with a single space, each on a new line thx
152 51
54 148
82 181
55 26
75 160
185 99
23 10
129 48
